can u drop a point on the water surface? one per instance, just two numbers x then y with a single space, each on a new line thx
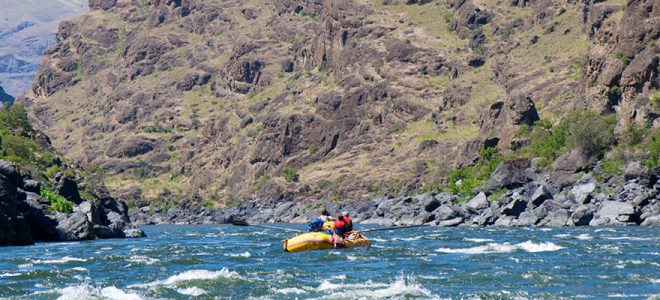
221 261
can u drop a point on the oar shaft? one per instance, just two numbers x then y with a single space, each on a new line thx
390 228
242 223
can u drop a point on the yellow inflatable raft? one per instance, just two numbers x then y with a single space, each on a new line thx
322 240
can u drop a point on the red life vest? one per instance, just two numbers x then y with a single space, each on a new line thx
340 227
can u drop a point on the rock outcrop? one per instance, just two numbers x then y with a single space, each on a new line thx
26 217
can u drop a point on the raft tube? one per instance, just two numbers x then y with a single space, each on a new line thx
321 241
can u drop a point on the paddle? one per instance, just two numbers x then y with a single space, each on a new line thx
390 228
243 223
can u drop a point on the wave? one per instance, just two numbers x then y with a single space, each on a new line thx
478 240
63 260
86 291
506 247
402 287
190 276
291 290
192 291
244 255
629 238
10 274
408 239
584 237
141 259
79 269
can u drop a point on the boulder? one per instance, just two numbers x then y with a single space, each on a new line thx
582 193
566 167
488 217
133 232
582 215
514 208
509 174
445 212
451 222
540 195
479 202
75 227
14 228
528 218
68 188
32 186
431 204
651 221
557 218
42 225
10 171
614 213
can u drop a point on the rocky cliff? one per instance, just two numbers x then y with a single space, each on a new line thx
208 103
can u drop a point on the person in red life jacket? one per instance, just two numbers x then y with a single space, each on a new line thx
348 223
338 235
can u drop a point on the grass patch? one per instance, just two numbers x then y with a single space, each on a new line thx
57 202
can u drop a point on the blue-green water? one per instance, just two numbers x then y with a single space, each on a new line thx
181 262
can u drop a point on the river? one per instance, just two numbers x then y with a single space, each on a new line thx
221 261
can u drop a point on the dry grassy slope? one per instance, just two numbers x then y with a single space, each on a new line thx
199 102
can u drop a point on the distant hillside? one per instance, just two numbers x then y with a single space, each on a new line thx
27 28
219 101
4 97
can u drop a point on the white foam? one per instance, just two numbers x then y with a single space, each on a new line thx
10 274
63 260
629 238
86 291
477 240
79 269
584 237
244 255
401 288
562 236
141 259
408 239
191 275
605 229
339 277
287 291
506 247
192 291
378 240
115 293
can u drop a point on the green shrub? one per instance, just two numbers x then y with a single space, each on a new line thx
464 181
312 149
655 101
653 147
622 57
290 174
80 72
14 117
261 182
232 201
585 130
590 132
57 202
